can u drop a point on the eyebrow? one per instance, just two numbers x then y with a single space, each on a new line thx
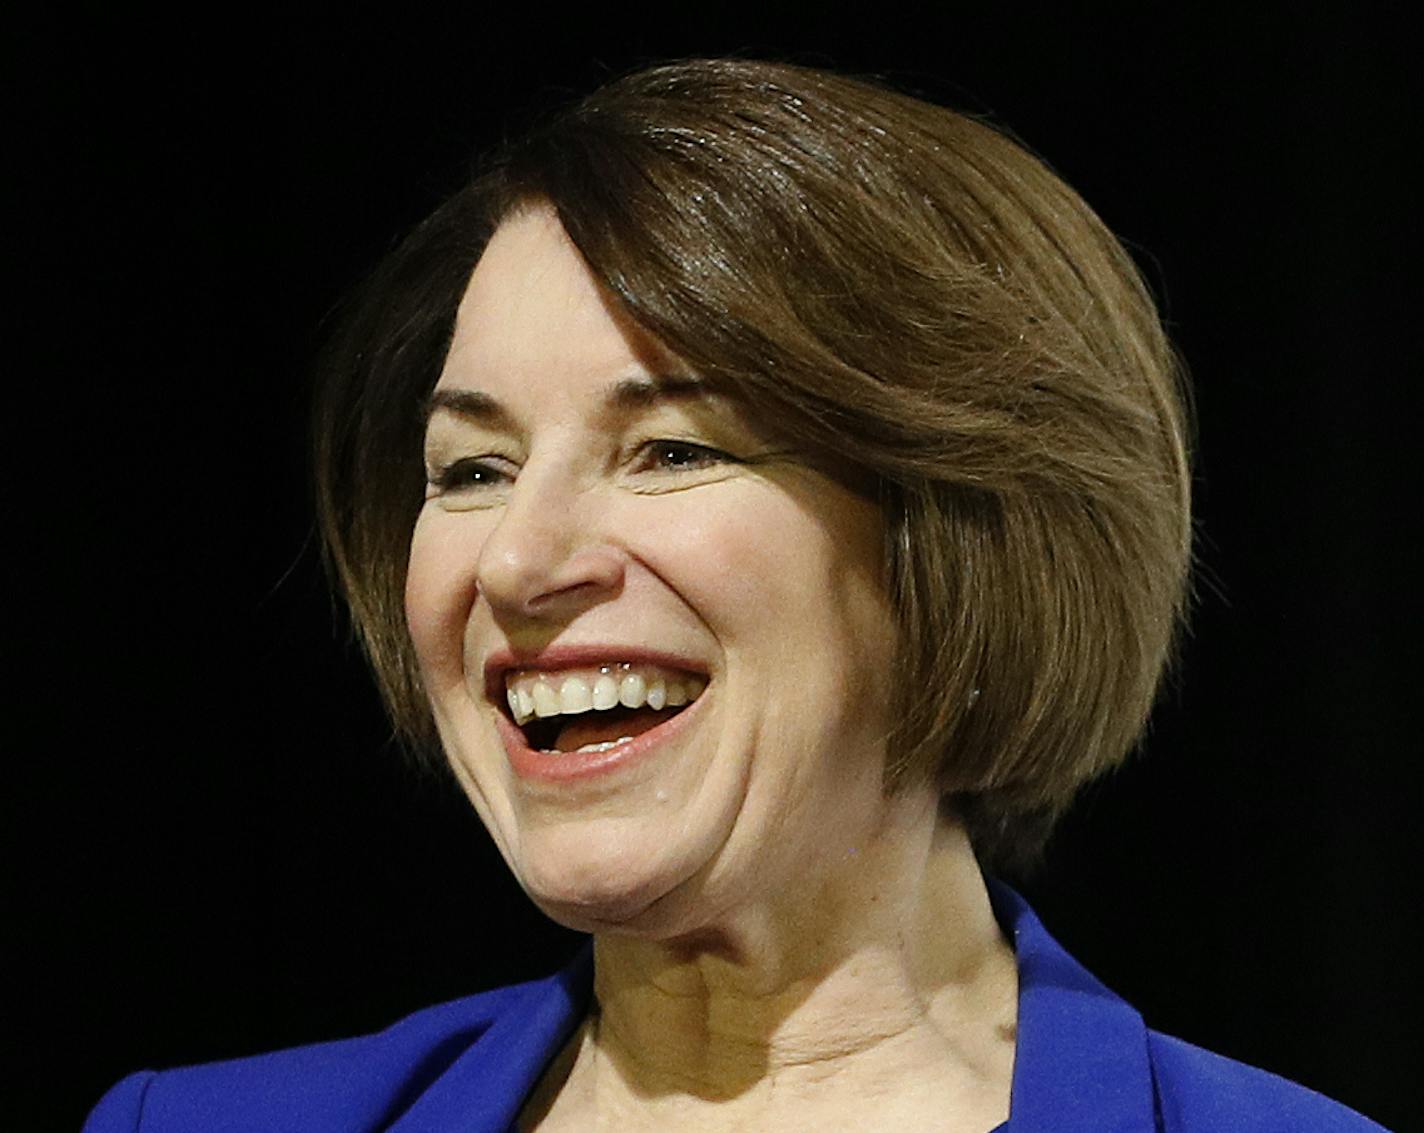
622 396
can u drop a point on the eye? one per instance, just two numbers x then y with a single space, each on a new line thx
469 474
679 456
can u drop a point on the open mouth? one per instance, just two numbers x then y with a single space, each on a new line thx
598 708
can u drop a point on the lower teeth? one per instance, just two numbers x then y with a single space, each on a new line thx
605 746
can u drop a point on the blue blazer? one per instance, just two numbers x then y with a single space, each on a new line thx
1085 1063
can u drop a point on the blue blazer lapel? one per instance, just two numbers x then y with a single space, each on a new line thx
1081 1064
484 1088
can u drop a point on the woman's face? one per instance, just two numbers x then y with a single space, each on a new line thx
598 519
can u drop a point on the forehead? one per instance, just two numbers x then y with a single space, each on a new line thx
534 314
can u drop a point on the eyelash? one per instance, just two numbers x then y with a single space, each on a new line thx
455 476
704 457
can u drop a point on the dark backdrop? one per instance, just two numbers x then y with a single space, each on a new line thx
215 850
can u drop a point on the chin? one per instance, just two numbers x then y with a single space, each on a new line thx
597 908
592 891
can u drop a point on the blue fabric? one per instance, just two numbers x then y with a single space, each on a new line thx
1085 1063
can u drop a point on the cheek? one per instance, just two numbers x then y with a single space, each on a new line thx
440 588
719 556
774 576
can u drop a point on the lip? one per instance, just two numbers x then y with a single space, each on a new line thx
573 767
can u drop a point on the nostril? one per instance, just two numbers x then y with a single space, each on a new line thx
544 578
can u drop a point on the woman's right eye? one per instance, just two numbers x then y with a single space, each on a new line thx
469 474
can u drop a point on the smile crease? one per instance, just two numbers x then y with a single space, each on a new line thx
599 707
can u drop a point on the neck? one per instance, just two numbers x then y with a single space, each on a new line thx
887 967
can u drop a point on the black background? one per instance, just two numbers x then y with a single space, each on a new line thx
216 851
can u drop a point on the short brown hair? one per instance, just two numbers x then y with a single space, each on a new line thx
908 295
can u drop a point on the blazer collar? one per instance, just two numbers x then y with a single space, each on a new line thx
1081 1063
485 1087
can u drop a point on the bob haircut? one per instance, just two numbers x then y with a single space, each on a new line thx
918 305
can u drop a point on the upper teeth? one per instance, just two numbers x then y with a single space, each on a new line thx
570 691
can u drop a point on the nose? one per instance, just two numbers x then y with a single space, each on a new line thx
548 557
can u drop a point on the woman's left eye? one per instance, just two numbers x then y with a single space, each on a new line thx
680 456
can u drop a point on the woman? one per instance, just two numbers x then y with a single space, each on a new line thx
770 493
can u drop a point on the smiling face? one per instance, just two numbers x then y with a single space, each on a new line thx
603 528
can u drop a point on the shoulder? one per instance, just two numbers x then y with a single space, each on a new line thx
330 1085
349 1084
1199 1090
